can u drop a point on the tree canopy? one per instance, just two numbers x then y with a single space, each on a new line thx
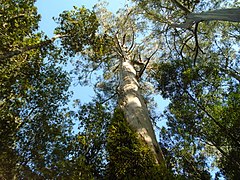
186 51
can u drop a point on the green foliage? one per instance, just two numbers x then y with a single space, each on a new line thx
91 140
44 123
18 19
79 29
200 117
81 35
36 129
230 119
32 94
198 73
129 158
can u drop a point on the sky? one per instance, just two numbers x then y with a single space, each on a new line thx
52 8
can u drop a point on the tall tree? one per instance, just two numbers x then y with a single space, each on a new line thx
110 43
36 135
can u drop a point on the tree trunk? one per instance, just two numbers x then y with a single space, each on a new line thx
135 109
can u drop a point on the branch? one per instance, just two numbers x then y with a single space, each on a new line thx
127 16
232 160
106 100
146 64
228 70
231 73
225 130
133 41
13 18
184 44
231 15
29 48
119 49
196 45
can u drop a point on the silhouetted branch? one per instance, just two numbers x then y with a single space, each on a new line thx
29 48
225 130
146 64
196 44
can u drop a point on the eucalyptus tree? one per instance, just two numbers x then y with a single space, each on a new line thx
119 48
199 73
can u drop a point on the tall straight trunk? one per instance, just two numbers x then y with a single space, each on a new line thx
135 109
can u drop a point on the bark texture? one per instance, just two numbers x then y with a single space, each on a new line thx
135 109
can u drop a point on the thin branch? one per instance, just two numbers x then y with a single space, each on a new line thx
185 44
118 47
196 45
115 68
124 38
167 41
127 17
106 100
226 155
175 46
225 130
231 73
146 64
133 42
228 70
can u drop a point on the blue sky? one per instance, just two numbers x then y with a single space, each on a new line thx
52 8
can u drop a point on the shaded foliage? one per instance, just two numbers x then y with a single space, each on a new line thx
129 158
32 94
199 73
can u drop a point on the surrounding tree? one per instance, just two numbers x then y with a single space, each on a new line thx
198 72
32 94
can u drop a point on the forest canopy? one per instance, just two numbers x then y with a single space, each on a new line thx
186 51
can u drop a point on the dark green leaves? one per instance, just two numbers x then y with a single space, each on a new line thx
128 157
78 29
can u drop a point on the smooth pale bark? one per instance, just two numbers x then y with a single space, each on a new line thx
231 15
135 109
